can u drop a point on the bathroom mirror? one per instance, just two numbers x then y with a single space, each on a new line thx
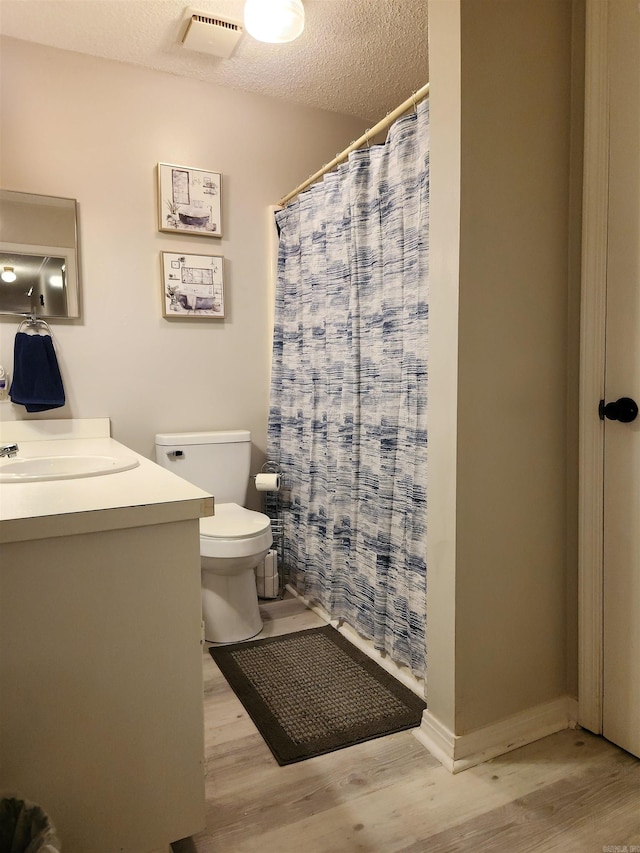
38 255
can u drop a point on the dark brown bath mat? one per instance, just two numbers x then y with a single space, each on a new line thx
313 692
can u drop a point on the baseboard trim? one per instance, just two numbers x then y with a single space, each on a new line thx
459 752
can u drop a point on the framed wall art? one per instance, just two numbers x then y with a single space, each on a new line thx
192 286
189 200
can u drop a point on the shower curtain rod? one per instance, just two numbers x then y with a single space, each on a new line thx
386 122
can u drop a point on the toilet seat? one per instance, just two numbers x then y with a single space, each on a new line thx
234 532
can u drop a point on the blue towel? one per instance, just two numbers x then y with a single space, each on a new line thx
37 383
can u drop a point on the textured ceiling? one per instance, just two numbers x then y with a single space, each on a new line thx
358 57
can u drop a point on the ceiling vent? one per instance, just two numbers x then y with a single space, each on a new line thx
213 35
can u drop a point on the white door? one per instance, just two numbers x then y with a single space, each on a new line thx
621 698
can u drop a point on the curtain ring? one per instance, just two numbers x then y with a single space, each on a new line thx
366 136
415 105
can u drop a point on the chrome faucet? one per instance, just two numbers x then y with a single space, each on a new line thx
9 450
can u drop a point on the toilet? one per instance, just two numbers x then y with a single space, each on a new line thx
234 540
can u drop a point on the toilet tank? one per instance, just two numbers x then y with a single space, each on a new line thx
218 461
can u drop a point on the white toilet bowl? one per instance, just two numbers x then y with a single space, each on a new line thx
232 544
235 539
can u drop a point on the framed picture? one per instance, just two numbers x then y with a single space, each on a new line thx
192 286
189 200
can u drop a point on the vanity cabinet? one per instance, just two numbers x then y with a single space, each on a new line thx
101 716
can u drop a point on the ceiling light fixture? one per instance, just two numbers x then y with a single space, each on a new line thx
274 21
8 275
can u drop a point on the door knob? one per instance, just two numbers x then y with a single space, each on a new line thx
624 410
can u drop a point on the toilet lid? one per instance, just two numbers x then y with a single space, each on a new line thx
232 521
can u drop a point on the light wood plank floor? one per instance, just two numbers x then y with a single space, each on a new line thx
571 792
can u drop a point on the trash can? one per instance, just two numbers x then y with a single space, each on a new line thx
26 828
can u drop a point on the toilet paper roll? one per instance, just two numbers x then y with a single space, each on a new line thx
268 482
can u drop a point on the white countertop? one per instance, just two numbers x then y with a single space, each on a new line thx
146 494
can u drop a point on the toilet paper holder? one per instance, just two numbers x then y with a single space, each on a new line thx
269 468
269 479
272 507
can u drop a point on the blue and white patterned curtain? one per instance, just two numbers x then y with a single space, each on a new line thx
349 389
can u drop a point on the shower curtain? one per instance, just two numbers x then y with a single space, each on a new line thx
347 419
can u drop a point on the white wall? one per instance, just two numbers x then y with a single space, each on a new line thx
94 130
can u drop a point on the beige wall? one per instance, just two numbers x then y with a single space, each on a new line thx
442 411
94 130
515 354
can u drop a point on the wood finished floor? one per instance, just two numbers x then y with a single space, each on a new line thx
570 792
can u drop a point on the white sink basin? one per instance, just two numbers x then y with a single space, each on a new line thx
62 467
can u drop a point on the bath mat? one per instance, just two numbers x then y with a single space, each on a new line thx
312 692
